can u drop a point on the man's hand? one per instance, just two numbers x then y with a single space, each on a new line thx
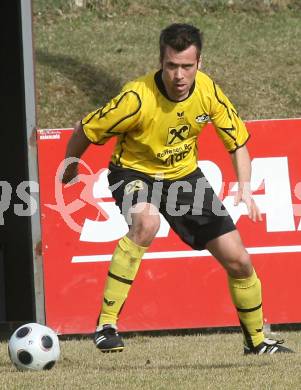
244 195
242 165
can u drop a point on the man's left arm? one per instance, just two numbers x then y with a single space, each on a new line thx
242 164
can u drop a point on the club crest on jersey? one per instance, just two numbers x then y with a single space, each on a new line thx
135 185
202 118
177 134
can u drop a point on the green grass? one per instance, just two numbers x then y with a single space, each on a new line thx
84 55
182 362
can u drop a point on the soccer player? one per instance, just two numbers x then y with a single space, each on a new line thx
157 120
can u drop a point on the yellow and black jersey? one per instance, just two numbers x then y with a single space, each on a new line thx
158 136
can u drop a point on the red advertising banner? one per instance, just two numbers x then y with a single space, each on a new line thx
176 287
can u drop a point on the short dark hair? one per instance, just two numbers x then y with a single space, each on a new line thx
180 36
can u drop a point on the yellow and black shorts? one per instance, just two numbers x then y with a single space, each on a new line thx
189 205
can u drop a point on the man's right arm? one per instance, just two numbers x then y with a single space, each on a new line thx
119 115
77 145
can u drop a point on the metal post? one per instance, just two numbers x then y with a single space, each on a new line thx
2 286
30 113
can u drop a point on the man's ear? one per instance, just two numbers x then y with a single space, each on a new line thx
160 62
200 63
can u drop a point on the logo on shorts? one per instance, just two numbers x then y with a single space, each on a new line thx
202 118
133 186
177 134
108 302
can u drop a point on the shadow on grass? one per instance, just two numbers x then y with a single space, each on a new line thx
160 333
195 366
148 365
95 83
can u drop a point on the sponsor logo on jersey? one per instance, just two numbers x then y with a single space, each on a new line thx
202 118
177 134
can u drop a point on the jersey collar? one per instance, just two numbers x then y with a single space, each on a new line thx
162 89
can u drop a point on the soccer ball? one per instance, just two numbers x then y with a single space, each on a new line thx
34 347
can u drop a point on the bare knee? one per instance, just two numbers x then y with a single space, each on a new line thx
229 250
145 225
144 231
240 266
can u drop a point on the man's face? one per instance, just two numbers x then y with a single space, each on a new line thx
179 70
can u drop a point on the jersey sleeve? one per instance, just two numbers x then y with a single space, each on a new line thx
227 122
119 115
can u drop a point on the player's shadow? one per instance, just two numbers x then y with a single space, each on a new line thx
154 365
195 366
95 83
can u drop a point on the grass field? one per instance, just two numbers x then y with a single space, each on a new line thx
182 362
83 56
